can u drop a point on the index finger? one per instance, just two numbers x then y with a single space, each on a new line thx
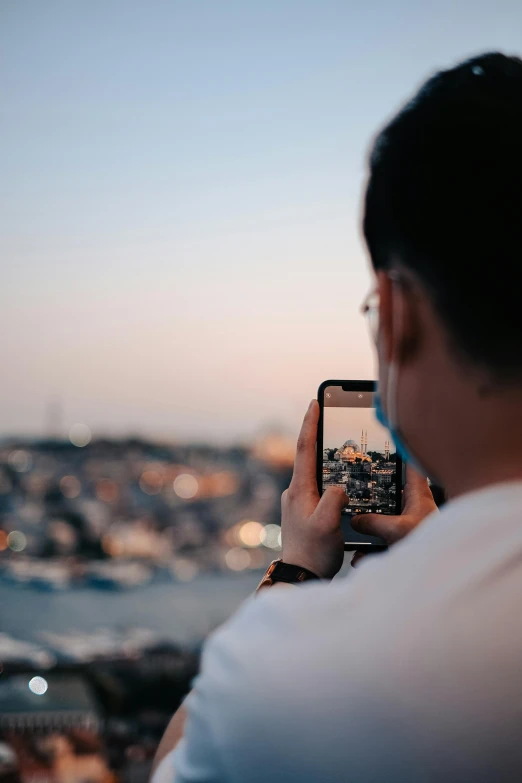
304 465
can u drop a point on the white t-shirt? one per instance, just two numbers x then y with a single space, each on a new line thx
408 670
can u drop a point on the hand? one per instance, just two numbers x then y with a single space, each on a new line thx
418 503
311 525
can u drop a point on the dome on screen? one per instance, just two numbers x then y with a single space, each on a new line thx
351 444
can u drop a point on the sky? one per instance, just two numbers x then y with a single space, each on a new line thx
180 186
342 424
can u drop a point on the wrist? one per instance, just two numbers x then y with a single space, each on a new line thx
282 572
300 560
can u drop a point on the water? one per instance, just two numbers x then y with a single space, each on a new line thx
183 612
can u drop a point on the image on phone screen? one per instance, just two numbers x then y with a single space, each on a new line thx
355 452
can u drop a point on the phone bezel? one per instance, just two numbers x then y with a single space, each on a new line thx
348 385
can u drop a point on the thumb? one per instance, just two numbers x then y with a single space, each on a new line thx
333 501
374 524
417 493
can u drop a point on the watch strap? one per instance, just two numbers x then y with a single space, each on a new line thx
292 574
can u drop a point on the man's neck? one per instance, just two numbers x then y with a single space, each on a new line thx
476 433
489 468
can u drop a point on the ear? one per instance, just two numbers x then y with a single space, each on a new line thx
398 321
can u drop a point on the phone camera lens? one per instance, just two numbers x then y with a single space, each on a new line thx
360 396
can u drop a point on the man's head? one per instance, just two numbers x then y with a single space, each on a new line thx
443 214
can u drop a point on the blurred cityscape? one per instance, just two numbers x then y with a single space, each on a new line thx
119 529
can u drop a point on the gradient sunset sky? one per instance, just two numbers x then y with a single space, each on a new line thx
342 424
180 197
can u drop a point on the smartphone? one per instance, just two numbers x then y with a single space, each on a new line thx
357 453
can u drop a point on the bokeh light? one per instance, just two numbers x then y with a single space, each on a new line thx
151 482
80 435
221 483
237 559
111 546
70 487
275 449
250 533
3 540
16 541
20 460
107 490
185 486
271 536
38 686
63 534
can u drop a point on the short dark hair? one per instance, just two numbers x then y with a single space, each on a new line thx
444 196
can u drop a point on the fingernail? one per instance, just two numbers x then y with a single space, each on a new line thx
312 402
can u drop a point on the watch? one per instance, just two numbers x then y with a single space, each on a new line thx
278 571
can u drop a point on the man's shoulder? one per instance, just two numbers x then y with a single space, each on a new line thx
293 662
313 625
298 676
391 604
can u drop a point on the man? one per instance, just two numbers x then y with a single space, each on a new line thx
410 669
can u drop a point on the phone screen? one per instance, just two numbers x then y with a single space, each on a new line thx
357 452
